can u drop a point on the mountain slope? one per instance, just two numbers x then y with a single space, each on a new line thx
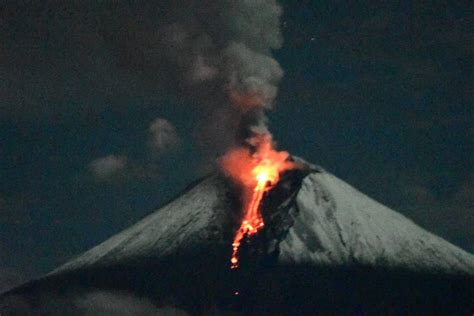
197 217
325 247
336 224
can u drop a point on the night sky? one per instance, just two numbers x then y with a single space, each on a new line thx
381 95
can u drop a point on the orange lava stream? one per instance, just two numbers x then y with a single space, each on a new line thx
256 169
266 175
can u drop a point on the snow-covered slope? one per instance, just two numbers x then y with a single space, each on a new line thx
334 224
197 217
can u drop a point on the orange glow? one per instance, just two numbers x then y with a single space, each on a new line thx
257 173
266 175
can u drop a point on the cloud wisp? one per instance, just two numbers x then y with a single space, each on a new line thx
95 302
109 167
163 140
163 137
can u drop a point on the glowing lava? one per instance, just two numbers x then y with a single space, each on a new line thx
256 172
266 175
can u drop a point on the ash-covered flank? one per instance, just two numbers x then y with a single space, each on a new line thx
325 248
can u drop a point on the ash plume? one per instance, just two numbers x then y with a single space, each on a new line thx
219 54
213 56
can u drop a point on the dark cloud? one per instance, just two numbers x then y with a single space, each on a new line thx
90 303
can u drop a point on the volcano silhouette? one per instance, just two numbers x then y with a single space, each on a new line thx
326 248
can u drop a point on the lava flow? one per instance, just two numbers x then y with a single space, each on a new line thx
257 173
266 174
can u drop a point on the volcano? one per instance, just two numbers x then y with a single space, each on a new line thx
326 248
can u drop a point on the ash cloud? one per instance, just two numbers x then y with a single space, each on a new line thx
221 56
74 60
